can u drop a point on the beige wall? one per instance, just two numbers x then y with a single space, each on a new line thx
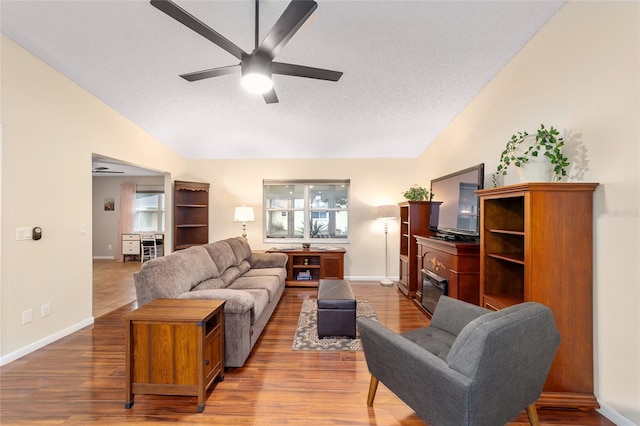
580 74
50 129
373 183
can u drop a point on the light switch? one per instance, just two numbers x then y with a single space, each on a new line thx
82 229
23 233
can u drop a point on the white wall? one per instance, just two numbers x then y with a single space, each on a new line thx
50 129
581 74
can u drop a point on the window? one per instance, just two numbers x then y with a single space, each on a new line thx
305 211
149 212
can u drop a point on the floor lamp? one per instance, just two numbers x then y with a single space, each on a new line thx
244 214
386 213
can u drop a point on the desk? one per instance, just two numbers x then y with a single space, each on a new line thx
131 245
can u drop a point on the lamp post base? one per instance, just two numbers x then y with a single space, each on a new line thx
386 282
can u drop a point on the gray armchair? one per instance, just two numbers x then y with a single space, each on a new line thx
470 366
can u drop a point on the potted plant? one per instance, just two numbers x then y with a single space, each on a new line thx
543 149
417 193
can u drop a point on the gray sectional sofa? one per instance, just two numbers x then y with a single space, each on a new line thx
251 283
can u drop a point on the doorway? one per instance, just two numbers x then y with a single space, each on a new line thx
112 282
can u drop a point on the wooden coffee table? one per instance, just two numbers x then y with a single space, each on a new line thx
174 347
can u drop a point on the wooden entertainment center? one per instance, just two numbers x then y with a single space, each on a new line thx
536 244
320 264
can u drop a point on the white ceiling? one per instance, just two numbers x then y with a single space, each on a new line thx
409 68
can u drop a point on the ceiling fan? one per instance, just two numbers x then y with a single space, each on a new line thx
103 169
258 66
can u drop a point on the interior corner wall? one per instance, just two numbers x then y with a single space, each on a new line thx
50 129
581 74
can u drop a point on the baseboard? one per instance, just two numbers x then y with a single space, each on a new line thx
613 415
363 278
44 341
104 257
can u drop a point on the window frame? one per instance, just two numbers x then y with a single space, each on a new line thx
307 209
160 211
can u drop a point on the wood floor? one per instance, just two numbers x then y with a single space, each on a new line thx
79 380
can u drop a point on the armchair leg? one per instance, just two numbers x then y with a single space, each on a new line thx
532 413
373 386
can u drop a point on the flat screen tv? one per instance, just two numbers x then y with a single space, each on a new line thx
456 215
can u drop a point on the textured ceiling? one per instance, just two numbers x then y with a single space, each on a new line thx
409 68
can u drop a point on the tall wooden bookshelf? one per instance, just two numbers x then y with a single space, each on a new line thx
536 244
414 220
190 214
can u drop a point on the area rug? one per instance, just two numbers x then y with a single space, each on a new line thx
306 337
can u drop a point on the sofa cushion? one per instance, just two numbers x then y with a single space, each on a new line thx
244 266
222 255
281 273
168 276
238 301
260 302
240 247
210 284
230 275
269 283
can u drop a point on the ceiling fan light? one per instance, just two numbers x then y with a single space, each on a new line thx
257 83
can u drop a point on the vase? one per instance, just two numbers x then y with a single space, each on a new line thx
536 169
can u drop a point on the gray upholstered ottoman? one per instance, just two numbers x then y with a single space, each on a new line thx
336 309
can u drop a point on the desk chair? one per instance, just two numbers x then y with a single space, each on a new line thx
159 245
148 247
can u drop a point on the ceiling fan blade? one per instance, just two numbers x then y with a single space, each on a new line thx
184 17
302 71
270 97
291 20
212 72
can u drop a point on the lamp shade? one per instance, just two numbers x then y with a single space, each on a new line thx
388 211
244 214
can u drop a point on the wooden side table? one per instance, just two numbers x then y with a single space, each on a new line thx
174 347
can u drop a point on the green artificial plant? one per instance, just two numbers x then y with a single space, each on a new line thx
417 193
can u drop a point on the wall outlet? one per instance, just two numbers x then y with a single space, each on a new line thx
27 316
45 310
109 247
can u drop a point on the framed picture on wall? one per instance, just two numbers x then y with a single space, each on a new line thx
109 204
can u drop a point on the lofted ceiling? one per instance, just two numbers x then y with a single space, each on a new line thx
409 68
